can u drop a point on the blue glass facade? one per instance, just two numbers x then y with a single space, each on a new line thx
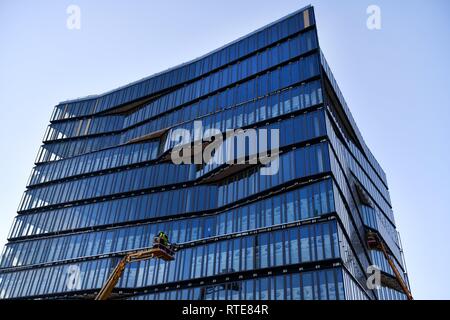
102 185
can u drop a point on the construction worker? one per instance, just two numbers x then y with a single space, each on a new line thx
163 239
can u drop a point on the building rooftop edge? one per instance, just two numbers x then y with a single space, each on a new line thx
93 96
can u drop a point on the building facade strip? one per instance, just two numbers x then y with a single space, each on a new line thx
150 153
291 74
307 202
259 62
178 75
314 242
103 185
330 77
107 214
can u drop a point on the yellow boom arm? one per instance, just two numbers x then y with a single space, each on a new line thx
157 251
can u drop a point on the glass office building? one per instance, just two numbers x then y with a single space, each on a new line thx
103 184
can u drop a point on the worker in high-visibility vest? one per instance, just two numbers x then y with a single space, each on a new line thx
163 239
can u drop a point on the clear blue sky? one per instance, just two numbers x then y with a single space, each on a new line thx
395 80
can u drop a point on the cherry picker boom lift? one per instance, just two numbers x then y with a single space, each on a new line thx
374 242
159 250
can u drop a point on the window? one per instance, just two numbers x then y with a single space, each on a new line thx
278 248
307 286
290 211
264 288
277 211
304 244
293 246
279 287
331 285
264 250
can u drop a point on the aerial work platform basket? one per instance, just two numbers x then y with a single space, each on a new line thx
161 249
161 252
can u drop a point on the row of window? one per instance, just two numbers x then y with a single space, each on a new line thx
355 152
353 291
301 128
313 160
251 113
235 73
307 202
307 243
295 98
56 279
106 124
280 78
374 163
356 262
369 216
311 125
291 100
324 284
83 127
290 131
357 164
354 253
230 53
367 165
95 161
345 158
380 261
388 232
385 293
111 183
295 164
383 225
158 204
284 102
283 77
66 149
372 181
363 215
